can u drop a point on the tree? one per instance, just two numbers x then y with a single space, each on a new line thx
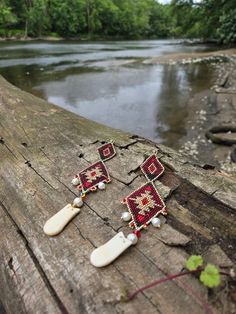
219 20
133 17
160 22
67 16
186 19
102 17
38 17
207 19
7 17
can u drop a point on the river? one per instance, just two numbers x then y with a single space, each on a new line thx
107 81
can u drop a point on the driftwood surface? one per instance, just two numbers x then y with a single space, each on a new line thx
41 148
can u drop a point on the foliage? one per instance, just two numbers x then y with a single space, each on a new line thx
67 20
6 15
208 19
160 21
227 29
210 276
194 262
8 33
38 17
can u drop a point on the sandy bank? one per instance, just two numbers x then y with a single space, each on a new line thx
190 57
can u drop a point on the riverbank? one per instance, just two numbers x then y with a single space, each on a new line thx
193 57
215 107
85 37
26 39
210 109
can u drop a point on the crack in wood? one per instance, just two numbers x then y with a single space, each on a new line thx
198 241
178 282
31 167
94 211
66 186
36 262
123 182
10 151
2 309
134 283
41 149
193 190
26 135
196 200
84 237
28 163
10 263
125 146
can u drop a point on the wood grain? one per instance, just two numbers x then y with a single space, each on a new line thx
41 148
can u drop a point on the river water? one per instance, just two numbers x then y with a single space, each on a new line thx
107 81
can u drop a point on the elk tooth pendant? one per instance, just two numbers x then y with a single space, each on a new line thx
144 205
89 179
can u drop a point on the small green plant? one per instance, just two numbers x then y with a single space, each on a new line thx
209 274
194 262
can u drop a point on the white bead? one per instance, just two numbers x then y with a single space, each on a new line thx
126 216
75 181
78 202
156 222
133 238
101 186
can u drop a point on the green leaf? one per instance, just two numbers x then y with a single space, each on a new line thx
210 276
194 262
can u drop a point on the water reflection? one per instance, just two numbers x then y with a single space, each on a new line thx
98 81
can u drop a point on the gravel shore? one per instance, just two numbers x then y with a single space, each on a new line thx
211 108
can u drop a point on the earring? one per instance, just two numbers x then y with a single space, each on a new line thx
144 205
89 179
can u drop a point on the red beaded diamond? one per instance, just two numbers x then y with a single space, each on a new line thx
152 168
91 176
144 204
106 151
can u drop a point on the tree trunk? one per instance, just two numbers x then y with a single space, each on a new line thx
88 16
41 148
26 28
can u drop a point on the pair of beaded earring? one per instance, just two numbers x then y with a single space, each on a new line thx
94 177
144 205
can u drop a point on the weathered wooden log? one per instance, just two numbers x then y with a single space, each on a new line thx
41 148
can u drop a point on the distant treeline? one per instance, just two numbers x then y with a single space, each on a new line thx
208 19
